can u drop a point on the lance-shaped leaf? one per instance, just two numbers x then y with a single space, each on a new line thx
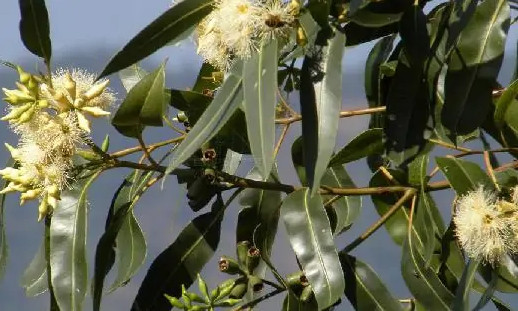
463 175
257 221
422 281
364 288
474 67
35 28
259 87
120 235
367 143
167 27
504 101
180 262
461 301
144 105
311 238
346 209
34 278
131 75
226 102
321 100
68 230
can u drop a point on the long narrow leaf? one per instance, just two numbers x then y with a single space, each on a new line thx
68 230
34 28
259 86
311 238
226 102
168 26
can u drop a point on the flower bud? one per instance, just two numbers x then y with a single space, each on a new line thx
242 250
16 112
53 191
29 195
95 111
253 258
255 283
307 294
239 289
26 116
96 90
24 76
229 265
227 302
43 209
174 301
70 85
302 38
223 289
83 122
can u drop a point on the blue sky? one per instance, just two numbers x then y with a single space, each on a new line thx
85 34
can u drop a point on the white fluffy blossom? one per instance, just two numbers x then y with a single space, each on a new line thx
236 29
51 120
484 226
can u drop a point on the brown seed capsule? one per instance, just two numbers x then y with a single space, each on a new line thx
253 258
209 155
228 265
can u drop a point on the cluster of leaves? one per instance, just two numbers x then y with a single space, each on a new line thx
430 80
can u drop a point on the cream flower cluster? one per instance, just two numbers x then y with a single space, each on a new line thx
52 122
487 227
236 28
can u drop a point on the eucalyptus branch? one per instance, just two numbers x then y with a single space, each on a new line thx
146 150
343 114
172 126
281 139
490 171
150 148
374 227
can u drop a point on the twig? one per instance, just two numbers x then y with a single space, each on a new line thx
128 151
343 114
285 103
145 150
172 126
281 139
407 195
449 146
490 170
258 300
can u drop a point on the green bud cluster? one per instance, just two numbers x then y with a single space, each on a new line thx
218 297
25 100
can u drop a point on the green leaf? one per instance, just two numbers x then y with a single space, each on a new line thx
311 238
68 230
321 100
397 224
34 278
504 101
358 34
320 10
461 301
144 105
131 75
365 144
168 26
414 35
463 175
258 220
34 28
364 288
474 67
422 281
226 102
119 229
181 262
259 88
377 56
347 208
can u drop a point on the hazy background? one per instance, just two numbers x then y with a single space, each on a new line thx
85 34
